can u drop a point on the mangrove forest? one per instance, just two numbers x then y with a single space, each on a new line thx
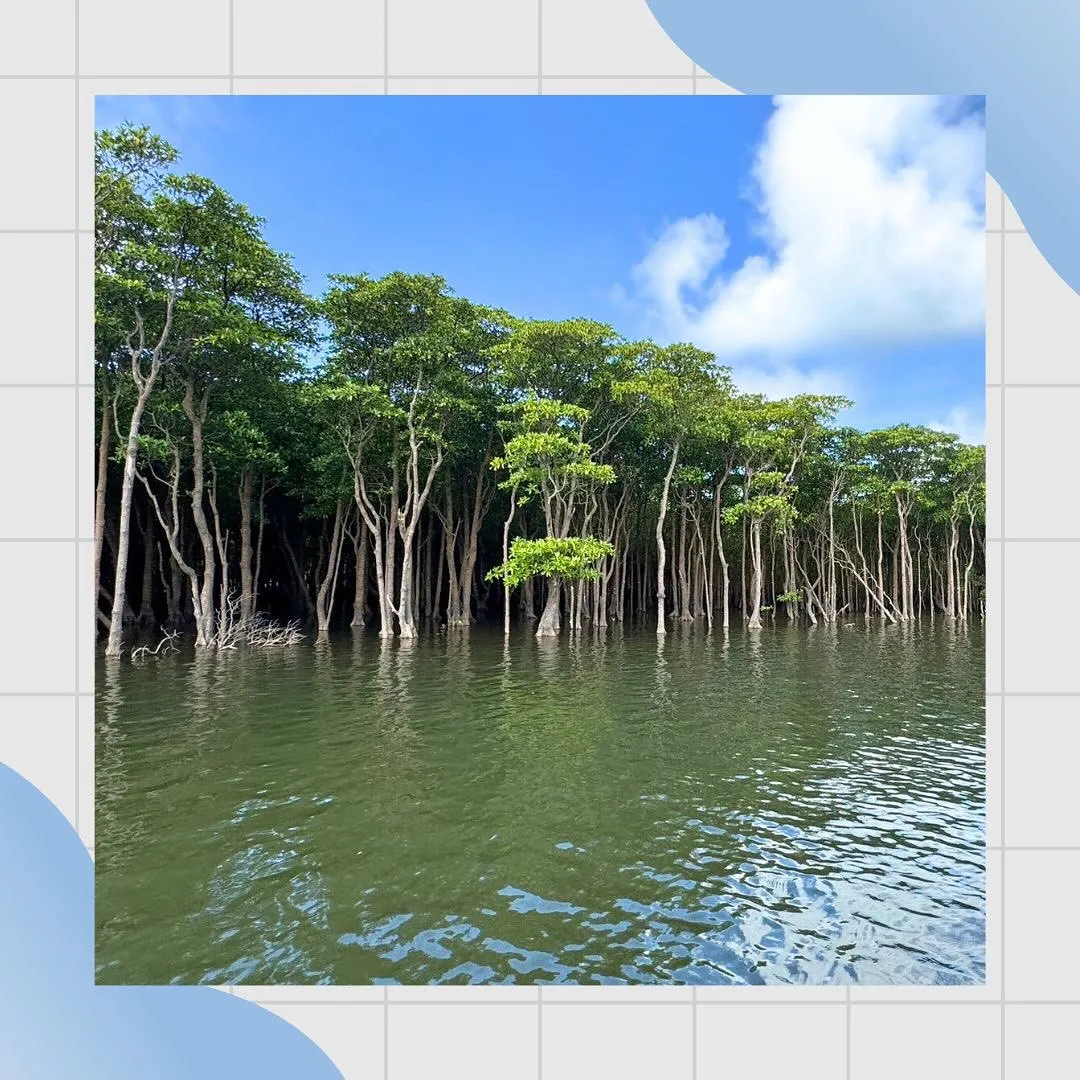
393 457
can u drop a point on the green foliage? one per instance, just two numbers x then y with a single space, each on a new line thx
572 559
544 448
383 374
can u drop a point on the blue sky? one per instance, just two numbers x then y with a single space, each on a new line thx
774 233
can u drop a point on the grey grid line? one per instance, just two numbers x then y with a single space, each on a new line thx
364 76
41 539
232 40
78 460
386 46
377 76
693 1032
1033 693
847 1031
539 46
1001 659
1035 847
386 1032
45 694
539 1033
959 1001
628 76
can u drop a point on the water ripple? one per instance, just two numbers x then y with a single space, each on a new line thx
787 807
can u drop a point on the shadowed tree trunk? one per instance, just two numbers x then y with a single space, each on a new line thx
100 495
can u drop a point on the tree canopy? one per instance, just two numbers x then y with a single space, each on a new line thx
258 446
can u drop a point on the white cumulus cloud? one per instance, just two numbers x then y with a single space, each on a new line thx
967 423
870 210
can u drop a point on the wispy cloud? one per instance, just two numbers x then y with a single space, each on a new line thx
969 424
870 211
184 120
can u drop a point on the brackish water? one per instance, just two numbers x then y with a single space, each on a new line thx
793 806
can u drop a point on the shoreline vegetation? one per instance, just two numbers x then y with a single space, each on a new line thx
392 457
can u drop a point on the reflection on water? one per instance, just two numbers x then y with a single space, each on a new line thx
796 806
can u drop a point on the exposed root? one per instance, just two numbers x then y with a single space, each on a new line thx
258 632
166 644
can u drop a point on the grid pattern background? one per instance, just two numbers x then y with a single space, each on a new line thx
55 56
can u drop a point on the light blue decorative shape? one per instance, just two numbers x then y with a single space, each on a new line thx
1022 56
54 1023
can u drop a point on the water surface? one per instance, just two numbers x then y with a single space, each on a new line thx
790 806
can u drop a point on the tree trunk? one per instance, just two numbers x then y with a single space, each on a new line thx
146 598
409 519
506 558
145 385
754 622
428 610
202 596
127 485
257 575
661 551
725 611
247 587
360 552
100 493
324 598
454 601
549 618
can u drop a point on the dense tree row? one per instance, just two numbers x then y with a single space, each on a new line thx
391 455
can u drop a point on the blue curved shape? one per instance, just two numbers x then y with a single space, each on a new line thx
1021 56
54 1022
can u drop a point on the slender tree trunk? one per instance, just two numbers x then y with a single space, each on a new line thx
454 602
725 611
830 589
146 598
970 563
222 542
742 569
428 610
408 521
439 566
202 597
100 493
682 607
756 574
468 561
171 586
247 587
144 385
705 579
127 484
661 551
257 575
506 558
360 553
324 598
